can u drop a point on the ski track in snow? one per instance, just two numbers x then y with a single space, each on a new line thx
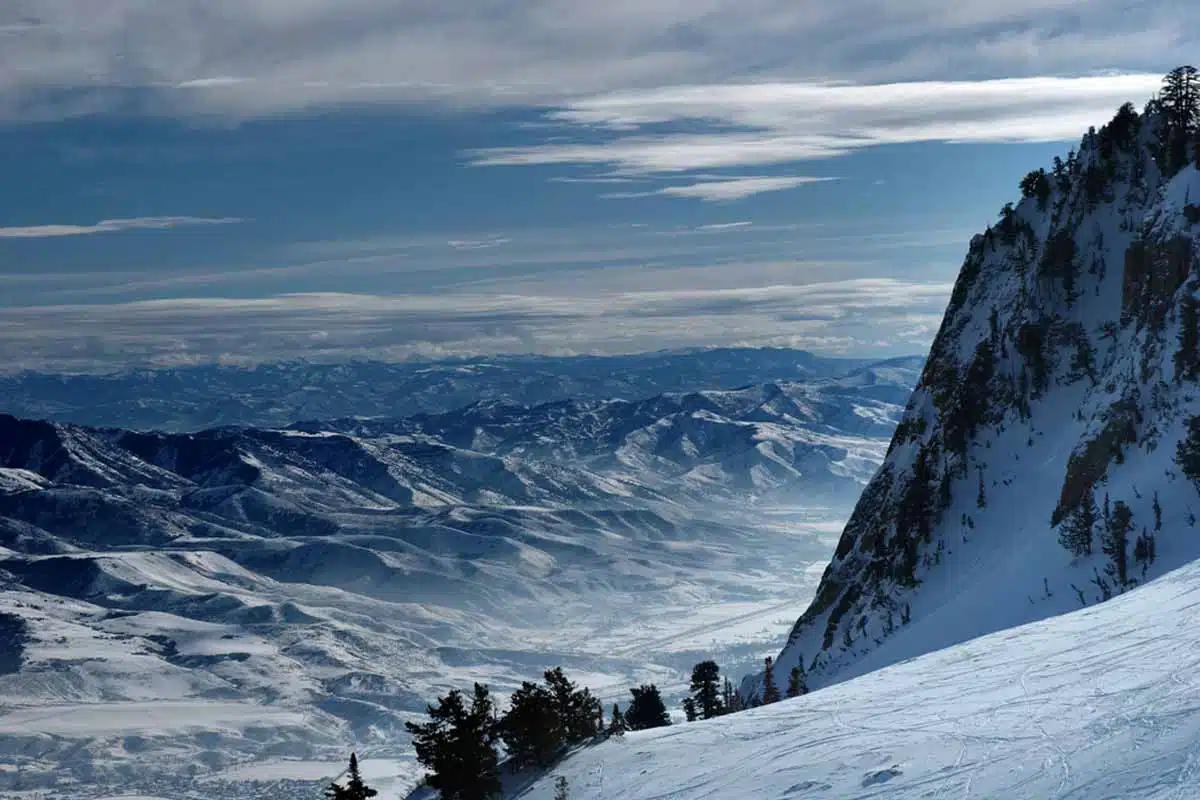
1099 704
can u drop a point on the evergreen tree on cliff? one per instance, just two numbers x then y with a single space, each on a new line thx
1116 541
1077 529
797 680
1180 99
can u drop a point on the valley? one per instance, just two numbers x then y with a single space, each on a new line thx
241 597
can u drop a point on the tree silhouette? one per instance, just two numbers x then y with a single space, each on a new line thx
797 680
689 709
616 725
354 789
647 709
1116 541
457 746
770 692
1180 101
706 690
531 729
1077 529
1187 452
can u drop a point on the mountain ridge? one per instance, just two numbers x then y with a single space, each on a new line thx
277 394
1063 373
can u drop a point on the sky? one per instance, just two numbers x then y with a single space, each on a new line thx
237 181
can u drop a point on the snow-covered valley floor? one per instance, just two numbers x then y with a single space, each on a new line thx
1100 703
96 701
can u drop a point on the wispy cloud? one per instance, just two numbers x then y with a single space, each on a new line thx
478 244
756 125
724 190
111 226
825 315
725 226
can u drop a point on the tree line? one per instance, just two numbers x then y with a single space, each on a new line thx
460 744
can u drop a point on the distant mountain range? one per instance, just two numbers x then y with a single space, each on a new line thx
277 394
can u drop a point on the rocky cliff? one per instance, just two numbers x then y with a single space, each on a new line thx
1042 460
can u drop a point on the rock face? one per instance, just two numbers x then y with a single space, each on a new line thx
1063 374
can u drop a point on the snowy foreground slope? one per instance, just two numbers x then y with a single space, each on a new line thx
1099 704
1063 377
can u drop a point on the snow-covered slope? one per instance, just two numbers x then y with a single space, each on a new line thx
1102 703
277 394
1062 373
242 595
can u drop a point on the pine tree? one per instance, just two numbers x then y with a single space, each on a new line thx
543 720
945 493
1187 356
532 729
797 680
1037 184
1180 101
354 789
1083 362
1060 170
1077 529
577 709
689 709
616 724
1187 452
1157 513
1116 541
981 497
457 746
647 709
1143 551
705 692
770 692
562 790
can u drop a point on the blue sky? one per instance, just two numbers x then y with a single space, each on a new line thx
249 180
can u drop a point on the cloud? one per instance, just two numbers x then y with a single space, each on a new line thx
343 325
111 226
250 58
478 244
756 125
725 226
724 190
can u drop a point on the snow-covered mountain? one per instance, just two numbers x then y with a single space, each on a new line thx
277 394
1059 386
241 594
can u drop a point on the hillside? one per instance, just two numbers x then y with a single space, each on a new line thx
1054 397
1102 703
